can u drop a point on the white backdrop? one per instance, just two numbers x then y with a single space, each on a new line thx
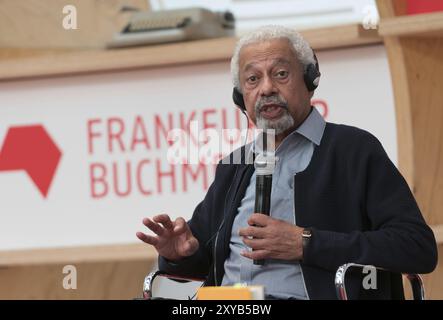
355 86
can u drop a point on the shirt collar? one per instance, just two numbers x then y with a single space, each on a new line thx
313 127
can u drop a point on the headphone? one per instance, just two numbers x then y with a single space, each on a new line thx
311 78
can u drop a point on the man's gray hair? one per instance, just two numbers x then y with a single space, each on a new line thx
301 47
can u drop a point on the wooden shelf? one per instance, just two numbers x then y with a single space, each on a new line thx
341 36
427 24
37 63
74 255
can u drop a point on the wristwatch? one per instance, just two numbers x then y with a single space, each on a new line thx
306 237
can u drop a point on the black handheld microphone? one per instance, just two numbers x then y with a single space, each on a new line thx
264 166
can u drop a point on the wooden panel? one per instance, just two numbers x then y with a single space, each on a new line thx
416 71
422 58
400 7
403 112
69 255
86 61
100 280
415 46
389 9
17 53
106 272
428 25
438 232
340 36
38 23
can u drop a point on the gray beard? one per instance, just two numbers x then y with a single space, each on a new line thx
280 125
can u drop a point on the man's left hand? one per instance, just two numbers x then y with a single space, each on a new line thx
272 239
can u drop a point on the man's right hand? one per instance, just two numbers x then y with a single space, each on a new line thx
173 240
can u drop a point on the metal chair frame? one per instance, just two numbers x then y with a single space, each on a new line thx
416 281
340 283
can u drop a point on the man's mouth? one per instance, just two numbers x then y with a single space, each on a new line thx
271 111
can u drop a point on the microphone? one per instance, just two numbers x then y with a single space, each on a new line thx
264 166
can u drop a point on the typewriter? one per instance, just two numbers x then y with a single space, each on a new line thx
164 26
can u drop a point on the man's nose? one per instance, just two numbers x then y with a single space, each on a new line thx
267 87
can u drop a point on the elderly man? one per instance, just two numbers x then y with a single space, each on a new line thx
336 197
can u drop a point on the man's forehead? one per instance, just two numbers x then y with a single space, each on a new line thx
272 62
276 51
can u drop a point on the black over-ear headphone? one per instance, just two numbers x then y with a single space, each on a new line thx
311 78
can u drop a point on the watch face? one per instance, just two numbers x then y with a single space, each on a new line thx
307 233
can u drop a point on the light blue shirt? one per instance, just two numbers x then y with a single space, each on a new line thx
281 279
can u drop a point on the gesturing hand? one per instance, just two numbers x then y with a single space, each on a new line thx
272 239
173 240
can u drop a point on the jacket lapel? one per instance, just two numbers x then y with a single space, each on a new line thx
236 193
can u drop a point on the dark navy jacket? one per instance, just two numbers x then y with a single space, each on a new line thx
357 204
